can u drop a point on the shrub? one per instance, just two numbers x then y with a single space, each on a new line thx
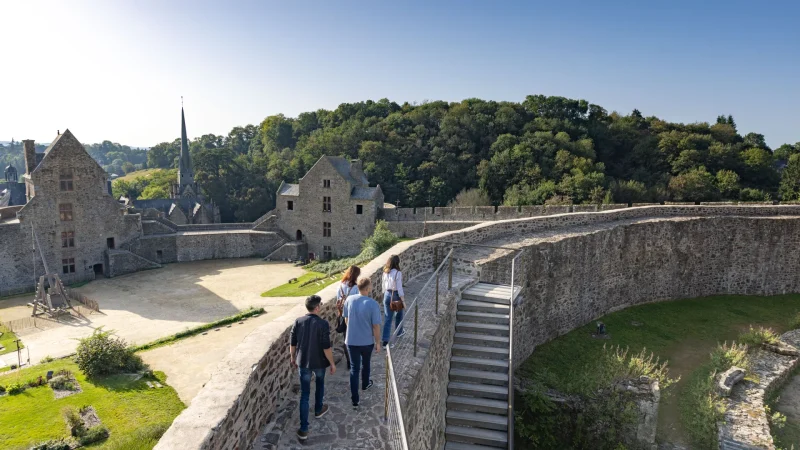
16 388
2 389
53 444
382 239
74 422
756 337
470 197
726 356
62 383
103 354
94 434
36 382
47 359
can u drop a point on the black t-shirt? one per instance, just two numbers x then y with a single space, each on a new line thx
311 335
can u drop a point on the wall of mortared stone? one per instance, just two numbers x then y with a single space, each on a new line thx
242 395
219 245
571 280
414 229
487 213
149 246
121 262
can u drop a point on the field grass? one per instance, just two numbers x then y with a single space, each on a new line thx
295 290
8 340
683 332
126 407
145 173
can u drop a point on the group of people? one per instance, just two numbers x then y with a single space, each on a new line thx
359 319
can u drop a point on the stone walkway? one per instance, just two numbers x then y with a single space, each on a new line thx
342 427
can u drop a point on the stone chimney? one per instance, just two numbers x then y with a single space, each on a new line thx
29 150
357 170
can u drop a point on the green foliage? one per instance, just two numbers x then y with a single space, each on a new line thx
92 435
727 355
63 381
103 354
470 197
15 388
8 340
47 359
199 329
74 422
794 322
754 337
382 239
302 288
144 438
693 186
53 444
790 179
701 409
152 184
753 195
36 382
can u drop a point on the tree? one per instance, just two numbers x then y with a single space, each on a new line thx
790 179
470 197
728 184
693 186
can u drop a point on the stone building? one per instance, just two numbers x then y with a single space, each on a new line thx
186 204
332 209
12 192
69 211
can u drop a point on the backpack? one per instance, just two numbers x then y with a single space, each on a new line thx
341 325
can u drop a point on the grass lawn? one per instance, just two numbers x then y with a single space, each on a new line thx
138 174
126 407
684 332
8 340
295 290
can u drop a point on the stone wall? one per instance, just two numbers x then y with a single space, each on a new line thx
121 262
217 245
486 213
620 258
415 229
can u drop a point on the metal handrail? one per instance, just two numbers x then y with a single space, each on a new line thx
393 385
511 356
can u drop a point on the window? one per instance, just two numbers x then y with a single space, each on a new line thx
110 243
326 204
159 255
326 183
326 229
359 209
326 252
65 212
67 239
290 205
65 177
68 265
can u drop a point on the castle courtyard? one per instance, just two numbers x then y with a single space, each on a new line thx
144 306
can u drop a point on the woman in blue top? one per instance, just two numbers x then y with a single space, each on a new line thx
347 288
392 291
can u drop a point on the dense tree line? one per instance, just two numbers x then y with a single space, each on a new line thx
542 150
114 158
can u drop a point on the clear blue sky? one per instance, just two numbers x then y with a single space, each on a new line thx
116 70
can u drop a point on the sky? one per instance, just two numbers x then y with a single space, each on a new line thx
116 70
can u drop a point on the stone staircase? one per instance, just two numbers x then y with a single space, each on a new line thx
477 401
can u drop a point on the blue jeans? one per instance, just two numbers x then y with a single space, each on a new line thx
305 393
359 355
388 314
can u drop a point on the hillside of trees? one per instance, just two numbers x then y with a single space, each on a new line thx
115 158
542 150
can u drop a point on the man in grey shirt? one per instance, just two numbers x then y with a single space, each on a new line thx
363 316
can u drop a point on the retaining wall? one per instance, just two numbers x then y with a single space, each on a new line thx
572 276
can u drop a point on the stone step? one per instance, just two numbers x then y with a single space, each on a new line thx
482 317
475 404
501 299
469 435
483 307
482 328
488 365
486 287
480 351
462 446
477 420
477 390
481 339
479 377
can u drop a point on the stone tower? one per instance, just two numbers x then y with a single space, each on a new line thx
185 188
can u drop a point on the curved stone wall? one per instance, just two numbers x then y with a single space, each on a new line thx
577 267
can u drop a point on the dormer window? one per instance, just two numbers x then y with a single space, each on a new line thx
326 183
65 180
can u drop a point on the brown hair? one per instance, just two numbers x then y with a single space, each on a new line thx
351 276
392 263
363 283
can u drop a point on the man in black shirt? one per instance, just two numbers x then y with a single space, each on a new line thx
311 352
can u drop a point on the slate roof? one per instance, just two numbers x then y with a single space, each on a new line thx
343 167
289 189
363 193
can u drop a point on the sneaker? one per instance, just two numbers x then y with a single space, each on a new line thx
384 344
321 413
401 333
302 435
355 405
369 385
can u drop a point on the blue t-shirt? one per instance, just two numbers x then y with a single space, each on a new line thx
362 313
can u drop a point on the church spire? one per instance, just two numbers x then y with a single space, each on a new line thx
185 171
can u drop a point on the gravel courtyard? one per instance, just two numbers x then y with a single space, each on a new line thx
145 306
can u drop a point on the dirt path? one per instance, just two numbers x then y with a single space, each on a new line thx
148 305
200 354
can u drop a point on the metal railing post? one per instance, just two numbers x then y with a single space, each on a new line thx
450 272
435 257
386 393
416 321
437 292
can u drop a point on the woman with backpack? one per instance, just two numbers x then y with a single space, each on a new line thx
347 288
393 298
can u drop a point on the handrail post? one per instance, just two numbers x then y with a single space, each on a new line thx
450 272
386 393
416 321
435 256
437 292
